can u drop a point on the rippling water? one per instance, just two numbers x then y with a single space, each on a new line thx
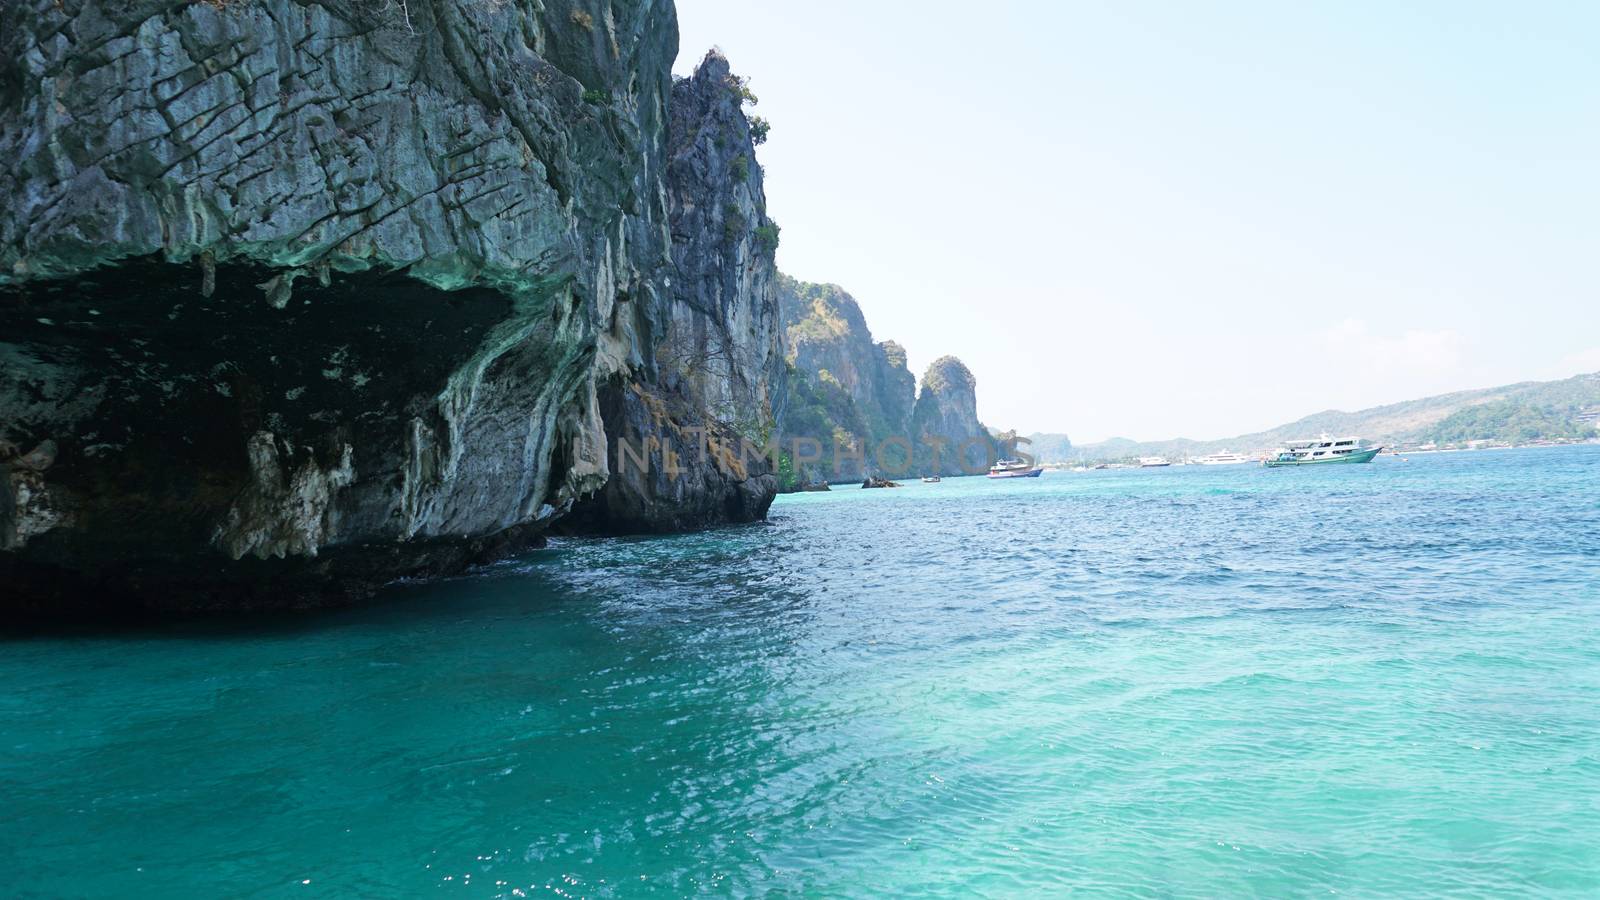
1367 680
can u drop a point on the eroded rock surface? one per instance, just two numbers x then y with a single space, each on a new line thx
301 297
949 438
857 403
688 430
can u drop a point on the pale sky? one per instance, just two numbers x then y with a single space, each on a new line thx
1188 219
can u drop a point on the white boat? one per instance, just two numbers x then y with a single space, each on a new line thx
1321 451
1153 462
1014 468
1223 458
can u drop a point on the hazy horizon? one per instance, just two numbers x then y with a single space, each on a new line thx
1307 414
1172 221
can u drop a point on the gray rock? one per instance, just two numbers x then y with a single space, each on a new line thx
697 421
309 296
946 415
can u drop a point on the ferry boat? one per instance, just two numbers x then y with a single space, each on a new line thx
1224 458
1153 462
1014 468
1321 451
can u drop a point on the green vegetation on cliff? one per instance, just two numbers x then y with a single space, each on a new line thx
817 406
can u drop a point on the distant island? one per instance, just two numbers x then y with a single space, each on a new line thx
1527 412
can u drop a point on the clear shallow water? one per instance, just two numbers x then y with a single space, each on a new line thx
1367 680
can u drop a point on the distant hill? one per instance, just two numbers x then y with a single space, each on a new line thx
1513 413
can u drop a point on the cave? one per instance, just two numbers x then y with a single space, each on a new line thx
148 385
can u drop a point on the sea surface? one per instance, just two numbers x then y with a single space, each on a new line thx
1372 680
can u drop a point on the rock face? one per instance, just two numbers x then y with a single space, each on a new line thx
845 391
946 420
856 399
824 331
298 298
687 430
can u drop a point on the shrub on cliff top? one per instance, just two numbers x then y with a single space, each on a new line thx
741 86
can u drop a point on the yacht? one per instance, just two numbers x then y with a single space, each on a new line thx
1014 468
1224 458
1321 451
1153 462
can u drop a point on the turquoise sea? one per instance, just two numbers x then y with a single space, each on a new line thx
1377 680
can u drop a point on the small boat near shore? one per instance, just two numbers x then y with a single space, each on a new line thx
930 479
1014 468
1153 462
1323 451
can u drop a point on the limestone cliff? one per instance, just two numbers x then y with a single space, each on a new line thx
859 402
299 297
846 391
686 430
825 331
949 438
